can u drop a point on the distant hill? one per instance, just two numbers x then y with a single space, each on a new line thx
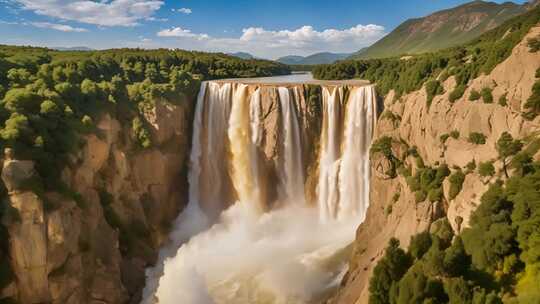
242 55
73 48
319 58
443 29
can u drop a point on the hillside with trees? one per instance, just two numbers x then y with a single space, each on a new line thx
49 97
405 75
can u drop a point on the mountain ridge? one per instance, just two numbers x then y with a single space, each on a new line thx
442 29
317 58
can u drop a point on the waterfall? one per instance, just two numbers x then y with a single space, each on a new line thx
354 167
213 180
292 173
244 161
327 187
343 188
234 243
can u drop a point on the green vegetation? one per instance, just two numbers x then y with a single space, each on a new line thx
477 138
456 184
387 114
503 101
383 145
454 134
496 260
533 103
427 182
487 95
443 138
433 88
474 95
486 169
464 62
457 93
534 44
507 146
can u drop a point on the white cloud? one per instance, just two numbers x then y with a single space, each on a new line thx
184 10
276 43
8 22
58 27
101 13
181 33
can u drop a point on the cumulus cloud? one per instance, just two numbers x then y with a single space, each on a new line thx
184 10
102 13
58 27
275 43
181 33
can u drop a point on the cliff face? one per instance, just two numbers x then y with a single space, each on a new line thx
414 124
92 246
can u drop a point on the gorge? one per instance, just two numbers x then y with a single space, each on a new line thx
171 176
282 169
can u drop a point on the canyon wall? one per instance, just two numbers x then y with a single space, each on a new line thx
439 134
92 243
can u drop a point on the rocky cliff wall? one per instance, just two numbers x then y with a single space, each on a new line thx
91 243
410 122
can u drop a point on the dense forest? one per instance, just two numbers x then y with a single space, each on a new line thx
495 260
49 97
466 62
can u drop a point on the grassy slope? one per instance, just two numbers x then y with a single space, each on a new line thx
409 39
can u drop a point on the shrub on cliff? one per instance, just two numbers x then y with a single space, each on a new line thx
474 95
486 169
456 184
457 93
487 95
534 44
533 103
477 138
433 88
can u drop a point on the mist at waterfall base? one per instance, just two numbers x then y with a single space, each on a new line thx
295 252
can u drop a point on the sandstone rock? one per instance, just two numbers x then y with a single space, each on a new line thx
28 248
16 172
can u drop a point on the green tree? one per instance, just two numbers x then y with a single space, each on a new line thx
388 271
507 146
477 138
486 169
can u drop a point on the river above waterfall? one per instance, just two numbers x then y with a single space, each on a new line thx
295 78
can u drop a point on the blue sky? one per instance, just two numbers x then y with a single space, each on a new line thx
264 28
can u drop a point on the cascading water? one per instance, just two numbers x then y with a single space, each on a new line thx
256 253
327 187
292 173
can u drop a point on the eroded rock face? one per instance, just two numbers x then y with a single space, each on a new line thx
422 127
74 249
15 173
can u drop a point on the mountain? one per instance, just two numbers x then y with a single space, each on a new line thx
242 55
73 48
443 29
318 58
